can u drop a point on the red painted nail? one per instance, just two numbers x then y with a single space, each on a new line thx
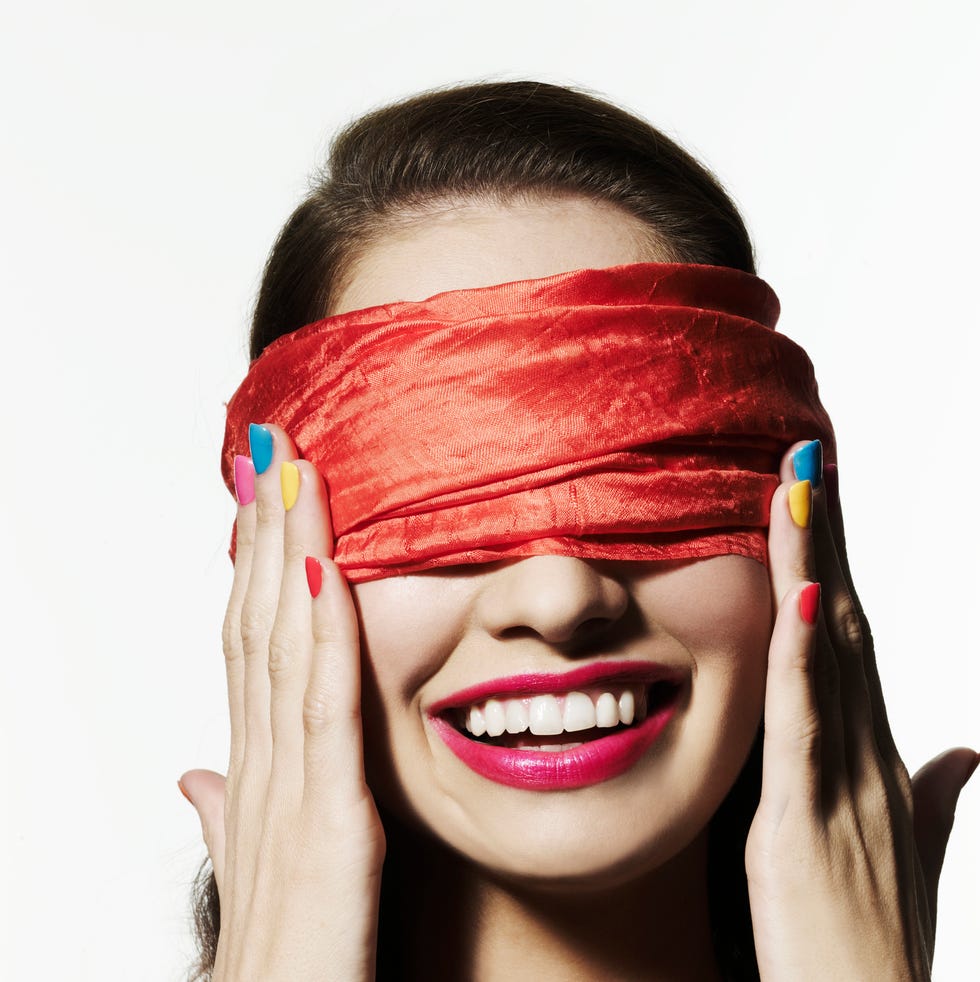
314 575
810 603
183 792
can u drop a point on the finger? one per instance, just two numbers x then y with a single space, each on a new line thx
235 665
792 565
936 788
793 733
333 749
205 790
844 629
246 803
270 447
835 518
291 642
231 633
791 558
852 625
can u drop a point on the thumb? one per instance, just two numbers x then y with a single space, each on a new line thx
205 790
936 788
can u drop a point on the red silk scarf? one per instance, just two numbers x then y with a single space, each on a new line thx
634 413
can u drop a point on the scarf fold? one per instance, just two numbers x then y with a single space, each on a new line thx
637 412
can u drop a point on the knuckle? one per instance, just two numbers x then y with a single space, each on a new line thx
850 629
904 784
804 740
285 652
329 638
320 713
231 639
269 511
255 621
244 544
808 740
317 715
295 548
874 799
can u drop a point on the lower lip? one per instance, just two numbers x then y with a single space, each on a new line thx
557 770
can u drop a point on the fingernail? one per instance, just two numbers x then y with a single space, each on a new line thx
832 482
244 480
801 503
260 446
810 603
184 792
314 575
289 482
808 463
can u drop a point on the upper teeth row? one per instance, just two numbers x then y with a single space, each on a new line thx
550 714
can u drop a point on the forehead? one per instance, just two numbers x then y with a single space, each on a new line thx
462 245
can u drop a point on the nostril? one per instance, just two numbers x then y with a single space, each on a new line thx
582 631
555 598
593 624
517 632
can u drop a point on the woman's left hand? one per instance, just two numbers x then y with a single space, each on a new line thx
844 853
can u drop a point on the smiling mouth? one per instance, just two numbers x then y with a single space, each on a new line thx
561 721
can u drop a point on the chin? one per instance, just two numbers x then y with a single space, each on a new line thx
594 838
583 864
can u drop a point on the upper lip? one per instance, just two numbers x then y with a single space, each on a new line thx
537 682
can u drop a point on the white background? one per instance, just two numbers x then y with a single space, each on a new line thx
150 154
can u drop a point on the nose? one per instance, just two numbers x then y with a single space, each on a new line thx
559 599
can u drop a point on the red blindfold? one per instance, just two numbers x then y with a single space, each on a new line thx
632 413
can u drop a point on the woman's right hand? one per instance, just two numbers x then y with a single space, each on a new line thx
293 832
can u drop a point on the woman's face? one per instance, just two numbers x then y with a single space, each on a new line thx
701 627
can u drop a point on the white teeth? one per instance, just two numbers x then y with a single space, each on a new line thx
627 707
606 710
545 716
475 722
516 716
579 712
569 712
495 716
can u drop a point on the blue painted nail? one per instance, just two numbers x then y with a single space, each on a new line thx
260 446
808 463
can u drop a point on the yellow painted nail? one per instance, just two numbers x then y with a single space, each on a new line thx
801 503
289 481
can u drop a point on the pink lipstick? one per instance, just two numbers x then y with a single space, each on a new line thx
600 757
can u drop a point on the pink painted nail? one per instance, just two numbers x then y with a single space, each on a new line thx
244 480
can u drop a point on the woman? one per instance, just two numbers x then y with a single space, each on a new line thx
558 772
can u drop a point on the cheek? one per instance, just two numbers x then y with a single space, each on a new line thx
713 615
721 604
409 626
722 615
407 630
718 609
720 612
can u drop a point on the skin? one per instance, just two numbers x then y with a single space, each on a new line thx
605 881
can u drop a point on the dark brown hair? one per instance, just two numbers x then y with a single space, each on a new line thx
488 141
496 142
